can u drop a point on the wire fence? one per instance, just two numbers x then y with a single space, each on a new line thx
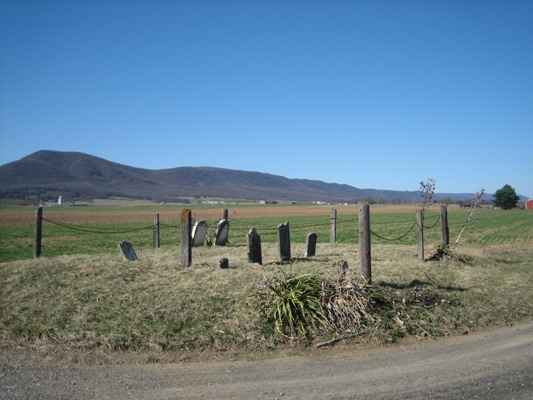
345 228
96 230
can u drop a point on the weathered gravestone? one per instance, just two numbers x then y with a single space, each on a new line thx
221 234
310 245
284 242
126 249
199 231
254 247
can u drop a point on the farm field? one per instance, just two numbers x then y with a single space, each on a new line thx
94 230
25 216
81 295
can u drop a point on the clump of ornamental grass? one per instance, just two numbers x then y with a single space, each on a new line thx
292 303
305 304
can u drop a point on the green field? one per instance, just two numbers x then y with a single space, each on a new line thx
488 227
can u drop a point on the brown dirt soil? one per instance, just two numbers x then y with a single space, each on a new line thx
122 214
493 364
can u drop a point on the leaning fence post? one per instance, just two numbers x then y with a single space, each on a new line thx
364 241
185 240
333 226
420 226
156 231
444 231
38 232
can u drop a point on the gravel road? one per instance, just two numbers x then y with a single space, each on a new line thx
495 364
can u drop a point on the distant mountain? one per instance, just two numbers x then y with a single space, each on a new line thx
48 174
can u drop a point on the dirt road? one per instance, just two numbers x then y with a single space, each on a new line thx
496 364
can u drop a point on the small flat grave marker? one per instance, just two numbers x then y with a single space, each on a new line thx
199 231
126 249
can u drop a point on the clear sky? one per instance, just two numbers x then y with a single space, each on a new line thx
373 94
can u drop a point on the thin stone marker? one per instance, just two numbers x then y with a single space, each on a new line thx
284 243
310 245
254 247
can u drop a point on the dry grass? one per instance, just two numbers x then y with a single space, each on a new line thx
103 302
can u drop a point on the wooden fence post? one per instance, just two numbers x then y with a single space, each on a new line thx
156 232
364 242
38 232
420 229
333 226
444 231
186 239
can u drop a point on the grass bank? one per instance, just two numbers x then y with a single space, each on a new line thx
100 302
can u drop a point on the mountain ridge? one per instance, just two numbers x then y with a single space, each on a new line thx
47 174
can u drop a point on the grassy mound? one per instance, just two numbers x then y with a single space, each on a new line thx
151 305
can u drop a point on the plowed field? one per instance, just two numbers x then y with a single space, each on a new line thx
74 215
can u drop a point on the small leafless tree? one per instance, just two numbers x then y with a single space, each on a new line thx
426 192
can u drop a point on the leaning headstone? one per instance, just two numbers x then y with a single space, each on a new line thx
199 231
223 263
310 245
221 234
126 249
284 243
254 247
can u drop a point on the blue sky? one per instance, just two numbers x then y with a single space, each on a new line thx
373 94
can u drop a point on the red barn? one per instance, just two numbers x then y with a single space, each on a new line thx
529 204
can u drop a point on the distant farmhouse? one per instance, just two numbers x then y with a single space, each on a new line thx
53 203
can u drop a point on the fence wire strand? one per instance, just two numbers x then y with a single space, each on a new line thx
435 223
392 240
91 230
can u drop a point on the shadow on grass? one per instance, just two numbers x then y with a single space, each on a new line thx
298 259
418 283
